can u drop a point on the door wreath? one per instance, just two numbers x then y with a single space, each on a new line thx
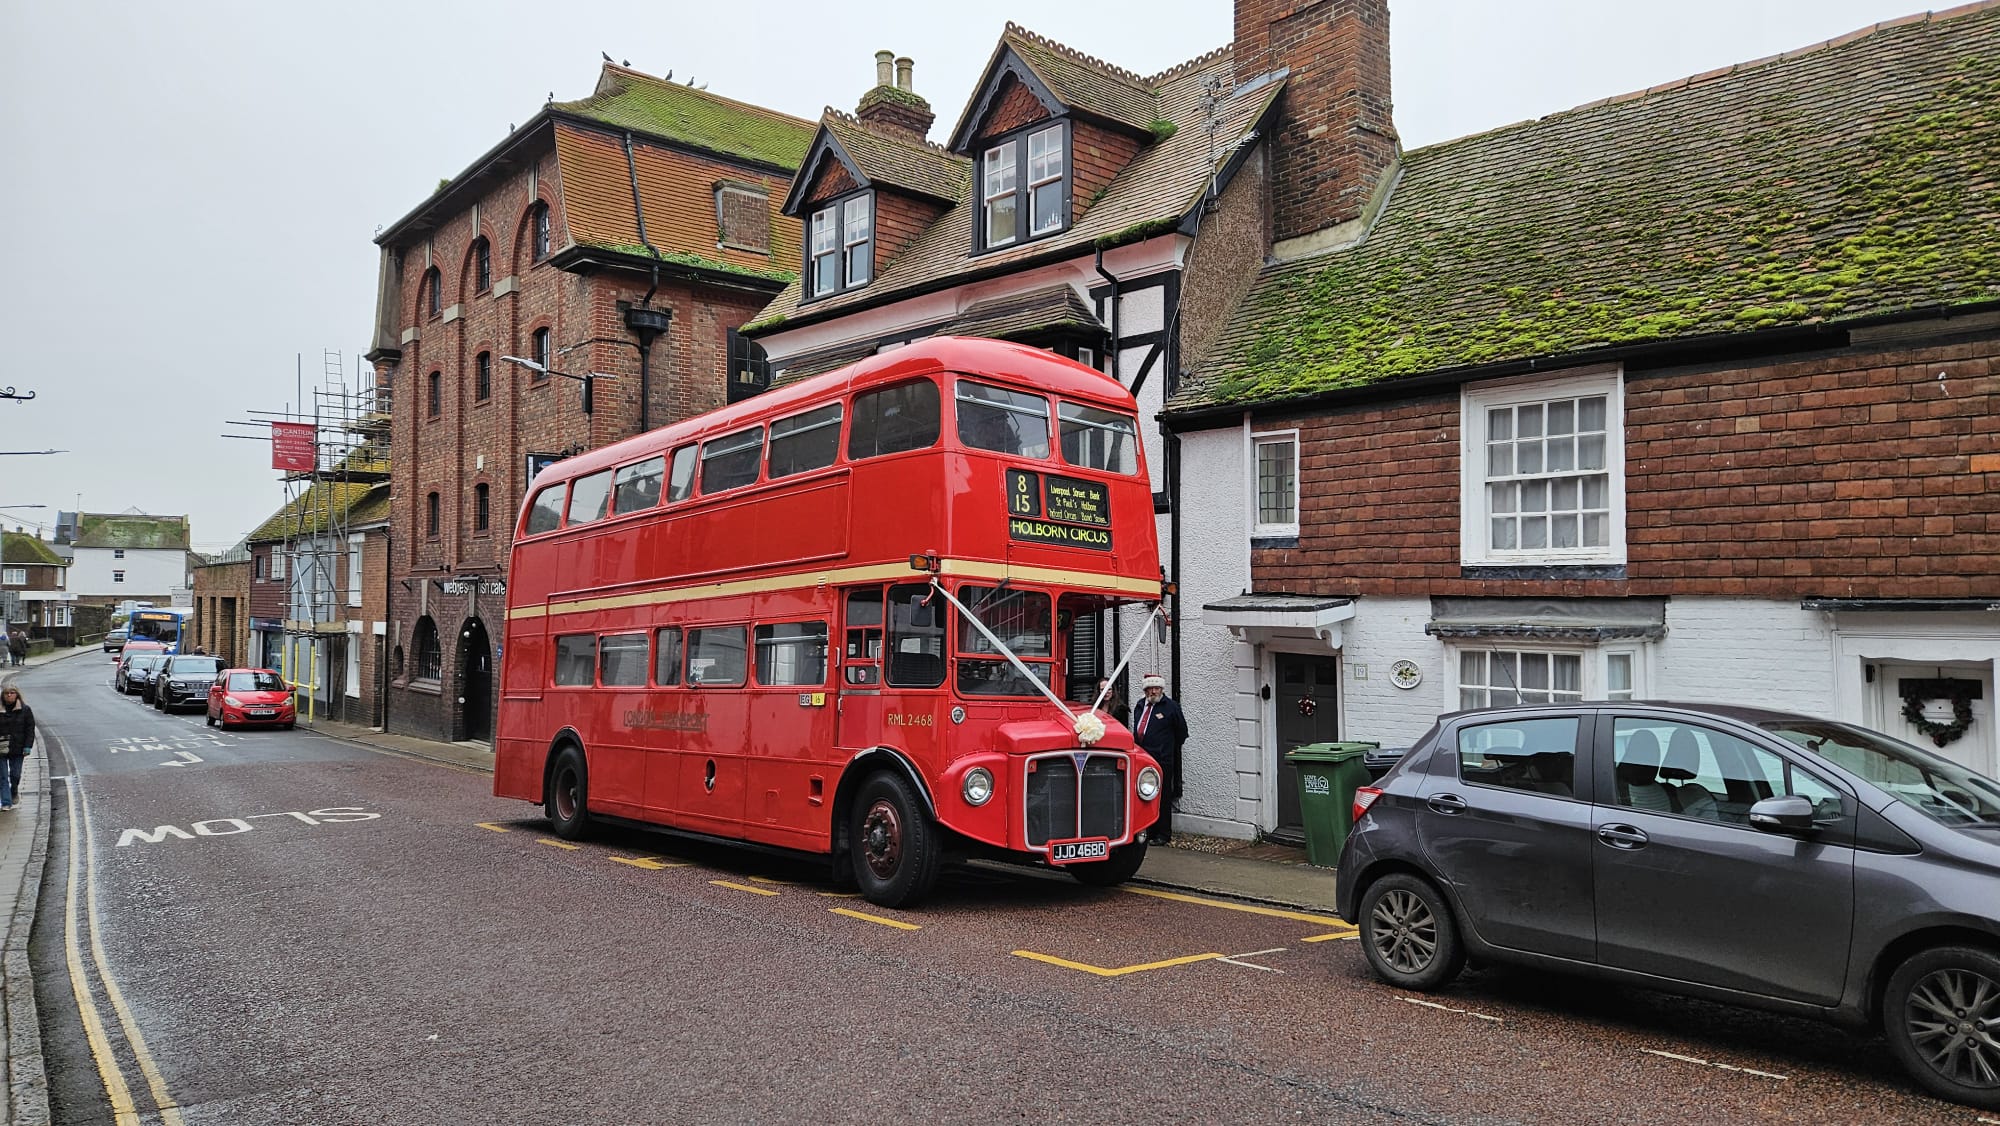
1961 693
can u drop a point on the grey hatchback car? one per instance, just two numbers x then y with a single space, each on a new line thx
1740 855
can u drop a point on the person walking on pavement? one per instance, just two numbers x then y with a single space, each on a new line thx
17 738
1160 729
17 648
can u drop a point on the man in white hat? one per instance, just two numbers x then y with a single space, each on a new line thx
1160 729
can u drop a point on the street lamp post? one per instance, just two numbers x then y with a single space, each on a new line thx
588 379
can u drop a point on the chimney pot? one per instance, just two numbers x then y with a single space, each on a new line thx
884 60
904 66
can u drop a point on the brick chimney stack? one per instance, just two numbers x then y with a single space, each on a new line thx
893 108
1337 136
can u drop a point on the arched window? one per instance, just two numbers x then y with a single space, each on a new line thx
429 660
431 516
538 221
396 663
544 354
482 376
433 293
482 265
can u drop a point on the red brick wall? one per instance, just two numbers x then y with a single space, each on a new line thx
267 595
834 180
1016 106
1098 155
1853 475
1338 134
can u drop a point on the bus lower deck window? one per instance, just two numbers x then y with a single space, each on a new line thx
576 660
716 656
791 654
621 660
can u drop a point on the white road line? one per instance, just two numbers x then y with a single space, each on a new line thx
1233 960
1449 1009
186 757
1711 1063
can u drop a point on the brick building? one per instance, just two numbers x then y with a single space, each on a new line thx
627 234
1691 393
222 605
34 587
314 580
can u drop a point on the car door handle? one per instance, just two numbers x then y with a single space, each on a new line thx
1447 804
1622 836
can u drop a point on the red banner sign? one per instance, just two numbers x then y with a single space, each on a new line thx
292 446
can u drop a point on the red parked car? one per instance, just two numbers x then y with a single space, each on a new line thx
250 696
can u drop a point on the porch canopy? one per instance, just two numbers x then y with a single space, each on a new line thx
1258 618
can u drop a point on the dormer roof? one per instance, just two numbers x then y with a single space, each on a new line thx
1066 81
874 160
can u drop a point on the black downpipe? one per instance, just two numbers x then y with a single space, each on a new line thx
641 329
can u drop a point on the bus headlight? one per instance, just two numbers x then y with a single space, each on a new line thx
978 786
1149 784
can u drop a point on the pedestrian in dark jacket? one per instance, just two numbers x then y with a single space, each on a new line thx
17 733
17 648
1160 729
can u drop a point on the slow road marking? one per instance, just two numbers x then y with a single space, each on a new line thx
1121 971
864 917
1711 1063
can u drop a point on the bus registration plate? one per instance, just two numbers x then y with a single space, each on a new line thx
1069 852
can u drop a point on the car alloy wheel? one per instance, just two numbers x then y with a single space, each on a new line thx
1405 931
1953 1017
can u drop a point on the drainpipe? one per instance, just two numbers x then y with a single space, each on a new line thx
646 322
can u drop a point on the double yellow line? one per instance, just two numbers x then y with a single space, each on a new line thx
82 867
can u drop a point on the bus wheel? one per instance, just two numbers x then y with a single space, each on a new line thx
1122 865
569 794
894 847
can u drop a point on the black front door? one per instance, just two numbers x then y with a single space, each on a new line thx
475 672
1308 712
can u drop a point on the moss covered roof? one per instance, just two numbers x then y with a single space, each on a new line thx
924 169
131 532
628 99
1859 178
323 504
25 550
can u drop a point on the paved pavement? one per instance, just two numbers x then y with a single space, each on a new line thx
1277 876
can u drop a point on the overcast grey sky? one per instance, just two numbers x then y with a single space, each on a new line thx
190 189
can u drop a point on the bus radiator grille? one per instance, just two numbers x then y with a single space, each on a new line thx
1062 806
1103 798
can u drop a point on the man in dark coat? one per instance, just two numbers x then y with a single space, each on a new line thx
1159 728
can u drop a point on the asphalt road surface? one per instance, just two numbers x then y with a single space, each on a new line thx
278 927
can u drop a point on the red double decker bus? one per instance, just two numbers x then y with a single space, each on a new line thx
834 618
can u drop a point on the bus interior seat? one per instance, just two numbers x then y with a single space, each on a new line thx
916 668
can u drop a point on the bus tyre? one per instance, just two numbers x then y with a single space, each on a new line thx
1121 865
569 795
895 848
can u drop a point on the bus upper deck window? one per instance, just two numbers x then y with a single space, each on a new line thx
894 419
1008 422
805 441
730 462
680 483
1098 439
589 498
638 486
545 512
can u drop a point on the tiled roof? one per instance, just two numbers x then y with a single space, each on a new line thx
628 99
1161 184
926 170
132 533
1021 314
815 363
679 193
371 509
1856 178
320 506
1085 83
24 550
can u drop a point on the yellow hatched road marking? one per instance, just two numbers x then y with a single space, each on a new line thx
742 887
1273 912
557 843
649 863
1121 971
492 826
897 923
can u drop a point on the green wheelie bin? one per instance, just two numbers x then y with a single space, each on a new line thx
1329 773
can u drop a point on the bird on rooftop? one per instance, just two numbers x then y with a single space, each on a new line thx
606 54
670 75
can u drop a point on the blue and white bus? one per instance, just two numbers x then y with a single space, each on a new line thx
152 624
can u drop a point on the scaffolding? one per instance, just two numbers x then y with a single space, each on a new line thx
349 416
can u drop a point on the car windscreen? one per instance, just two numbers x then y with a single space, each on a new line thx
1931 784
256 682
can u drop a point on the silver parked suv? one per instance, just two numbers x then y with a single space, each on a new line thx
1745 856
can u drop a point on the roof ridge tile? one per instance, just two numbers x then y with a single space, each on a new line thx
1073 54
697 90
926 145
1193 64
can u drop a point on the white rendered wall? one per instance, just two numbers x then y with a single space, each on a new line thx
147 572
1222 767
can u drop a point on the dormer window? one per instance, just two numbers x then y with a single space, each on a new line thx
1024 187
841 246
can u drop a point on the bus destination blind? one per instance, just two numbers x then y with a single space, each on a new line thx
1065 511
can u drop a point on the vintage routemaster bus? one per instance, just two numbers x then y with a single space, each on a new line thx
835 618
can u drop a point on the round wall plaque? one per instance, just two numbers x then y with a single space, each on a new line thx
1405 674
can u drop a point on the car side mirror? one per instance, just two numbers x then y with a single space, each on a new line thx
1790 814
